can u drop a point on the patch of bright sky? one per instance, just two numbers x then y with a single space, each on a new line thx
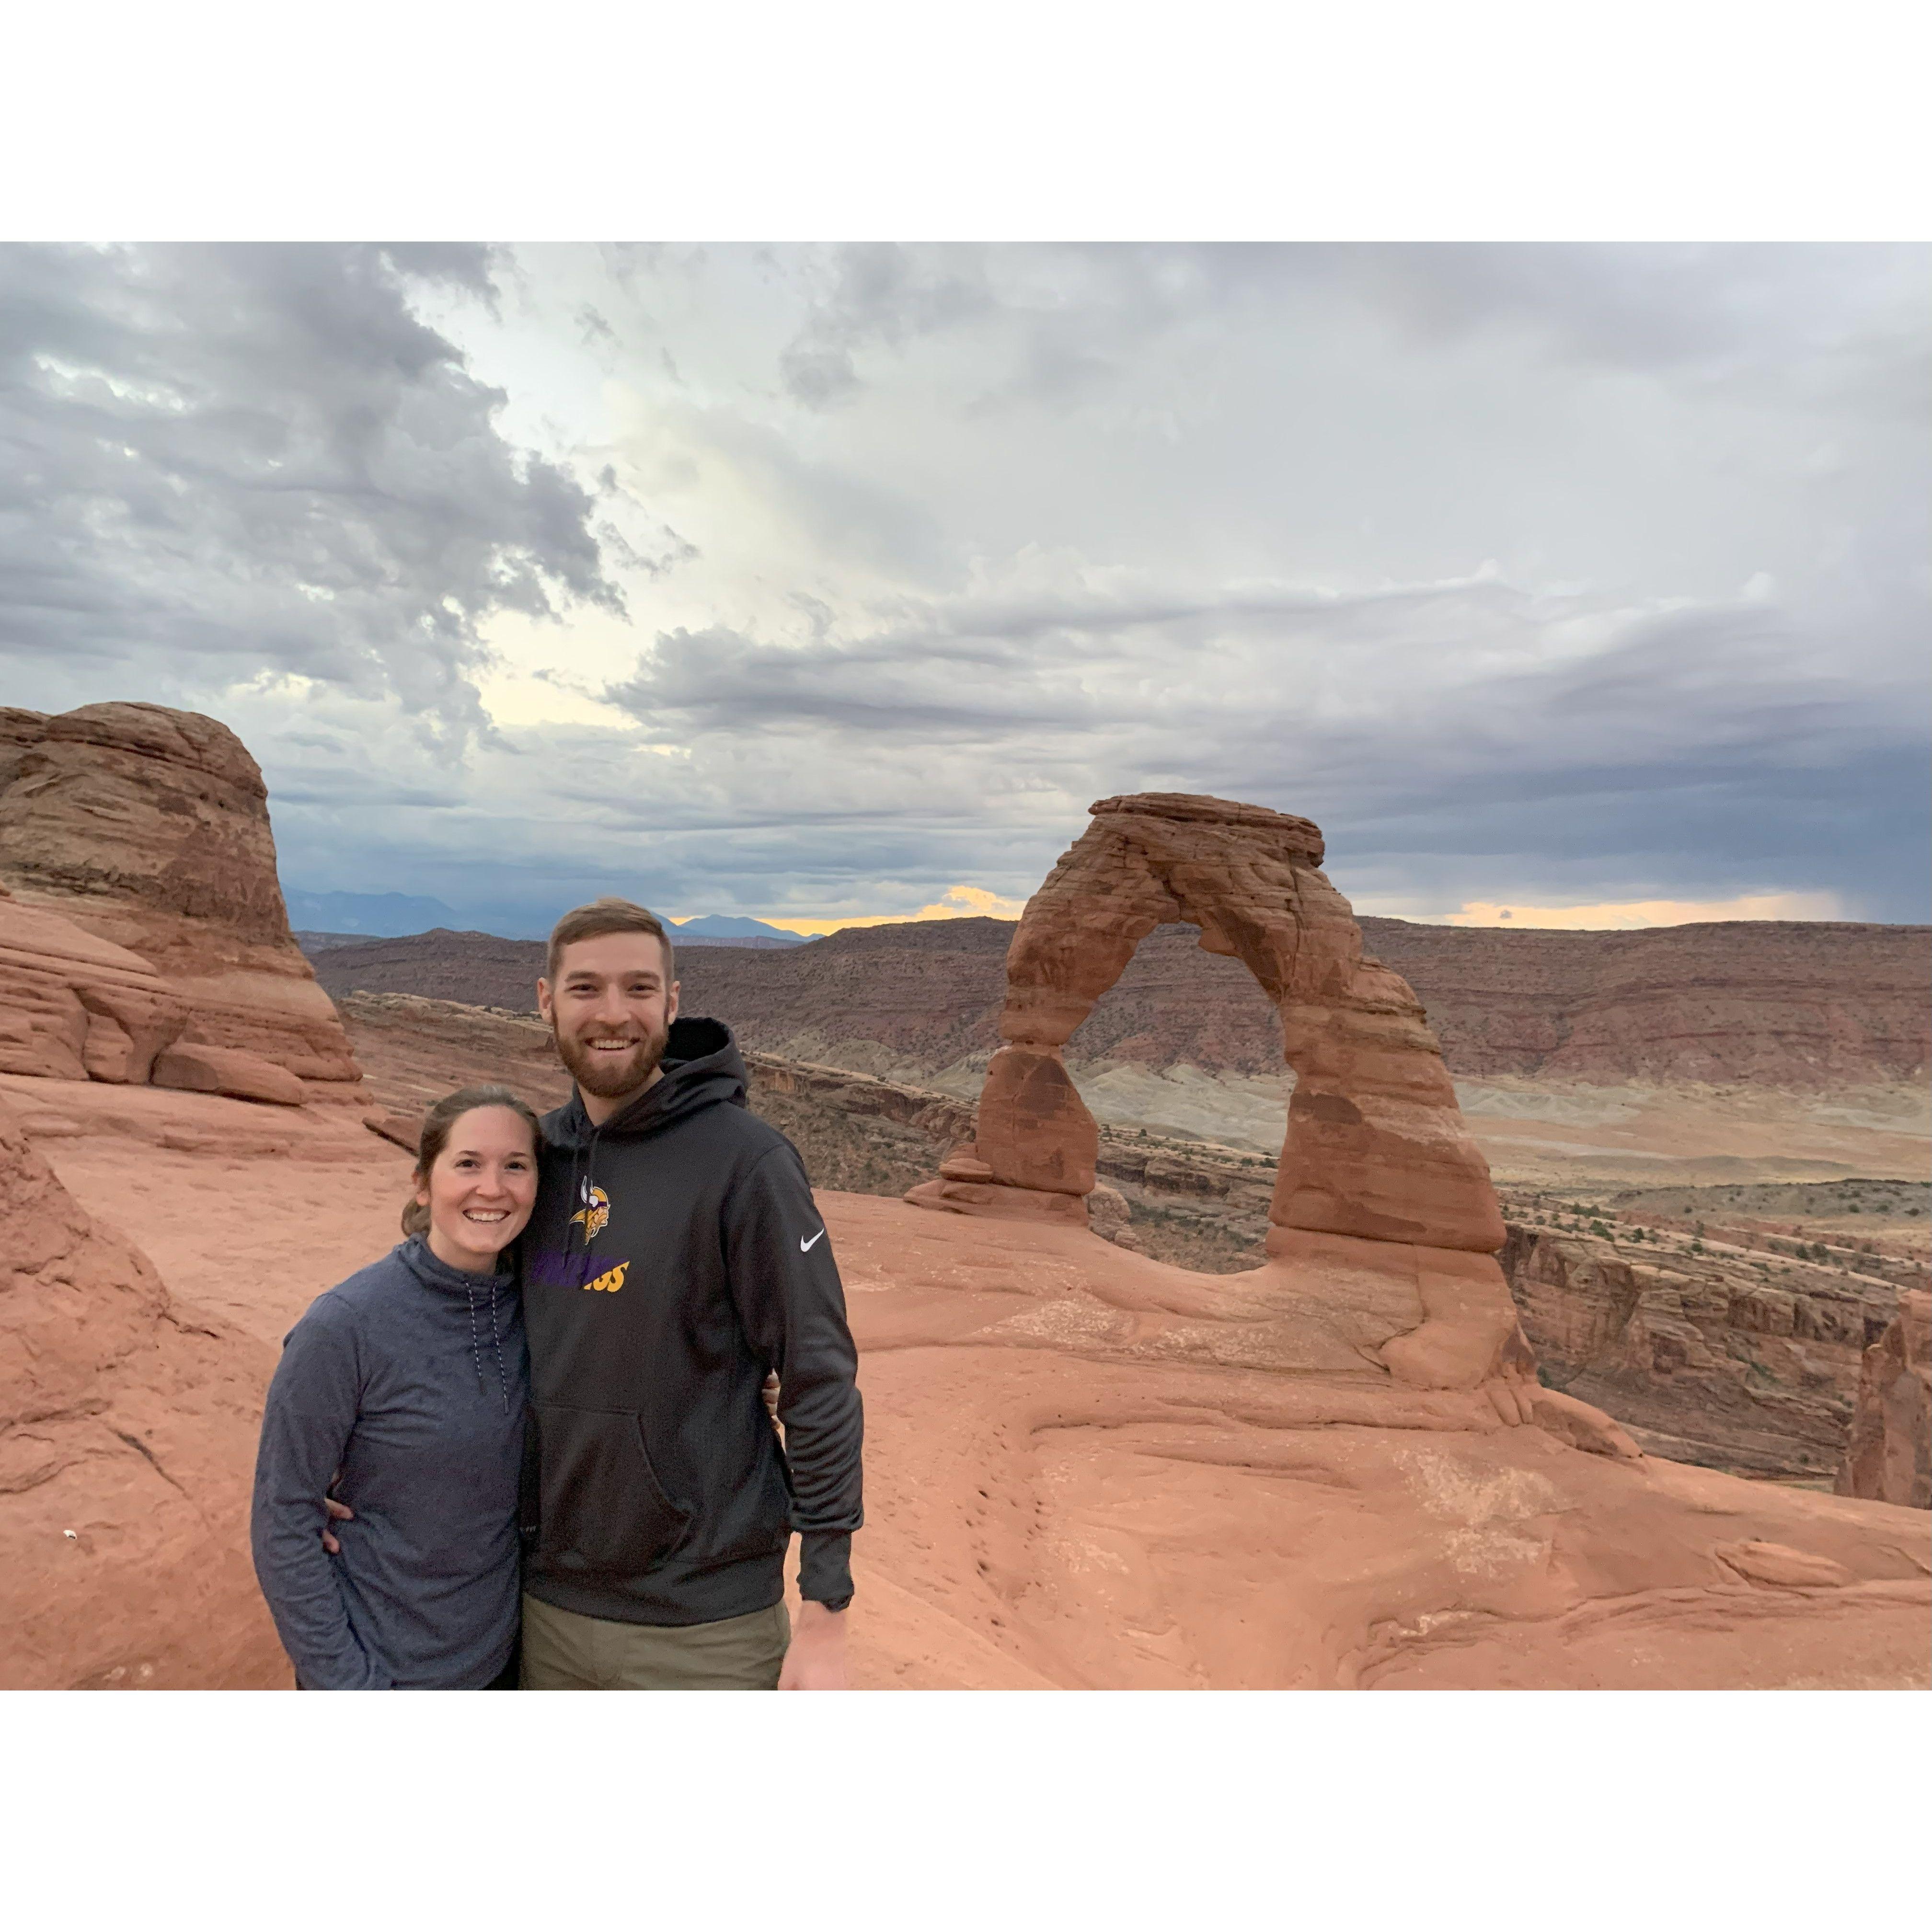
956 902
1639 912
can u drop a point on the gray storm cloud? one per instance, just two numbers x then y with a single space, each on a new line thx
1555 574
1683 744
237 461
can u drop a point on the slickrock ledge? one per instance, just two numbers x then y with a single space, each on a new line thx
126 1429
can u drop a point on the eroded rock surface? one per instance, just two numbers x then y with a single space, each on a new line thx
1375 1146
1375 1153
1889 1456
148 828
128 1425
1085 1468
75 1006
1703 1357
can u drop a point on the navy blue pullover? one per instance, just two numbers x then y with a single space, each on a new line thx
412 1379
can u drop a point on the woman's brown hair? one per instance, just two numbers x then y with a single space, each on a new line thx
439 1123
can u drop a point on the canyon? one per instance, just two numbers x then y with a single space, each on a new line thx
1820 1006
1371 1456
1186 1045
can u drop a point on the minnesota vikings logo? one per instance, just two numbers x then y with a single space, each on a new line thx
594 1214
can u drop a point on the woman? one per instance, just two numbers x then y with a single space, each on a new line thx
410 1379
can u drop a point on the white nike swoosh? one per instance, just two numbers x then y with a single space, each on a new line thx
804 1245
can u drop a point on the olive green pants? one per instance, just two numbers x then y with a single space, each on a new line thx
565 1652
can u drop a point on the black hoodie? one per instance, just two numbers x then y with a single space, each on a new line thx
675 1256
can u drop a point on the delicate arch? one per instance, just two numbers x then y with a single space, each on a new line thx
1376 1145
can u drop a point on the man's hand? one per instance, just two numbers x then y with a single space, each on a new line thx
816 1658
337 1512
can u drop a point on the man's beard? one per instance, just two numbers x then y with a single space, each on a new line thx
610 1079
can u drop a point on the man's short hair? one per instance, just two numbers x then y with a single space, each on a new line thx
599 917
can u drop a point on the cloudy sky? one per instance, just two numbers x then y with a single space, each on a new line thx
819 583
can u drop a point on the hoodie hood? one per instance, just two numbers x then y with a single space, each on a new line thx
701 1068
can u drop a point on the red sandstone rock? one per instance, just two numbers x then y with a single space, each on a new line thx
149 828
1086 1469
1001 1203
74 1006
1109 1216
1702 1358
127 1431
226 1070
1034 1129
1889 1457
1376 1145
1375 1151
403 1130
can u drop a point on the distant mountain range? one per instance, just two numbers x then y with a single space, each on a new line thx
726 929
400 915
381 915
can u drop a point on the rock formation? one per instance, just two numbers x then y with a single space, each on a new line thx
127 1431
1889 1457
143 913
1701 1357
73 1006
1383 1225
1376 1147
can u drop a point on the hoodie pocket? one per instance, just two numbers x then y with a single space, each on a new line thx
601 1510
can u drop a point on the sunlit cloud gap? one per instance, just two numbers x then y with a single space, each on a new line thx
955 902
1635 914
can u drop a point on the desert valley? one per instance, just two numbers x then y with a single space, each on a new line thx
1556 1316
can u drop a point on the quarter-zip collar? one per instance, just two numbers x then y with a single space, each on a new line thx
416 1254
436 1275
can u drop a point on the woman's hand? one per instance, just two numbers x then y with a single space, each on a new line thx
769 1390
337 1512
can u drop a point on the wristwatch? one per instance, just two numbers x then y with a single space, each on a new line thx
836 1602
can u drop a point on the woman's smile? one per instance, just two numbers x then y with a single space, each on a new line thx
480 1189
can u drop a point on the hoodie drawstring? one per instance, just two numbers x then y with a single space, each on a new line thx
496 1337
590 1196
475 1348
582 1185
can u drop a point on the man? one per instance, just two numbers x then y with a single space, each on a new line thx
674 1258
674 1264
